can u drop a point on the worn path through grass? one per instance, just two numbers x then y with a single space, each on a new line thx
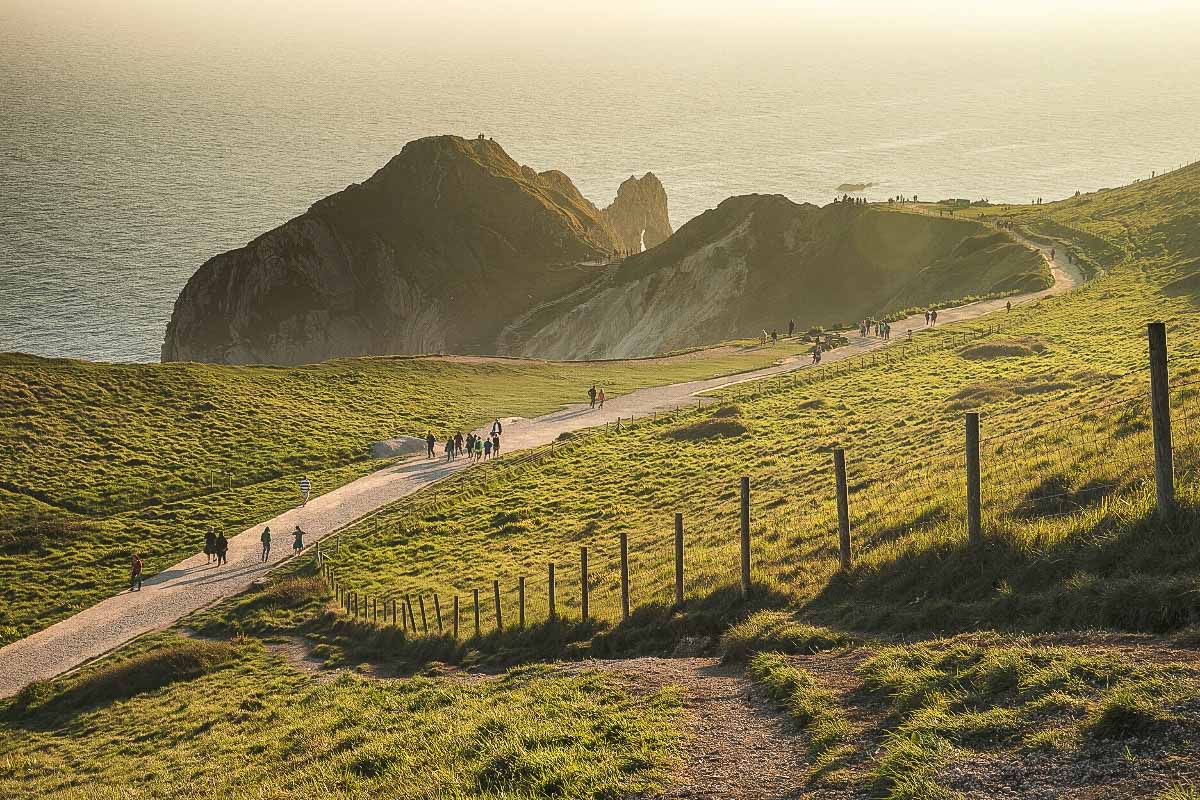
193 584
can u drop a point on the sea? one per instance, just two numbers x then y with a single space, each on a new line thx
131 152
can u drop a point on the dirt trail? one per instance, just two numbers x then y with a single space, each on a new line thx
193 584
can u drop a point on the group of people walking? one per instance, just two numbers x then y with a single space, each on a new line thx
881 330
476 447
931 317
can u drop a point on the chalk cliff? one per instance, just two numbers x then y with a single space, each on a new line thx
436 252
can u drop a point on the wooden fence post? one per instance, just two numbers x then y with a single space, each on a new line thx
624 576
521 601
437 612
974 523
550 572
843 507
412 621
475 595
374 609
1160 412
456 618
745 531
424 620
678 559
393 612
583 583
499 610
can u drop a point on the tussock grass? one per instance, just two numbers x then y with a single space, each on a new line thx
173 661
1003 348
814 709
779 632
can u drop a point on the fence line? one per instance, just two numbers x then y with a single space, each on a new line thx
1023 475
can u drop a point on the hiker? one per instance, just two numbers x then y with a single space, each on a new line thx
430 443
926 318
266 543
487 449
497 428
600 398
774 336
816 353
791 327
592 395
1008 306
933 316
222 549
458 444
135 574
298 541
210 544
478 448
496 446
1051 253
305 490
471 445
449 449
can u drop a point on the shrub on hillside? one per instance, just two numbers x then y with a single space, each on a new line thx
291 592
707 429
1003 348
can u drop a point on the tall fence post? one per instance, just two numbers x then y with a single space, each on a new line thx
583 583
1160 411
456 616
424 619
550 575
678 559
499 610
393 612
624 576
437 612
475 595
843 507
745 531
974 524
521 601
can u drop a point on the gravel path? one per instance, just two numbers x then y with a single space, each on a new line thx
193 584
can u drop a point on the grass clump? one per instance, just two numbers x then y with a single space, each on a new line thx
707 429
814 709
778 632
1125 712
1004 348
174 660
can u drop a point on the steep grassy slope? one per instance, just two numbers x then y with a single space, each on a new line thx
100 459
757 261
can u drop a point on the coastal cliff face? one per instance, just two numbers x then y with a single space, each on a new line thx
436 252
756 262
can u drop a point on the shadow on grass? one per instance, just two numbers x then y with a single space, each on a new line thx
1128 575
654 629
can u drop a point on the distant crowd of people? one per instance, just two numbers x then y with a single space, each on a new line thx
881 330
475 447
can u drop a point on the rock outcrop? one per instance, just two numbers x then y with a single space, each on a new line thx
436 252
756 262
638 216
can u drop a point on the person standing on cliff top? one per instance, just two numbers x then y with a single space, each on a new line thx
430 443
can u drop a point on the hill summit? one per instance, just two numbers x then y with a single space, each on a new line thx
435 252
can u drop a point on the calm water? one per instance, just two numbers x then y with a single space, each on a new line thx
124 165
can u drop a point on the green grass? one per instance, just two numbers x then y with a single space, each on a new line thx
102 460
259 728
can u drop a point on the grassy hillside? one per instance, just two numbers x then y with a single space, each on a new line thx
102 458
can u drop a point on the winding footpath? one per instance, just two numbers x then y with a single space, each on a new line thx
193 584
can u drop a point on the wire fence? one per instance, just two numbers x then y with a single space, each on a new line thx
1064 465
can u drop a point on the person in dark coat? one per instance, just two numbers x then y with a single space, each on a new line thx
222 548
210 545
